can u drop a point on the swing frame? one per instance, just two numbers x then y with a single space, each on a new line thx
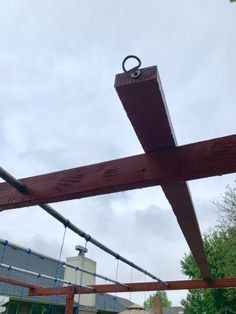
164 163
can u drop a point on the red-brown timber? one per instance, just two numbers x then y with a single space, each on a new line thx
142 286
144 102
69 300
188 162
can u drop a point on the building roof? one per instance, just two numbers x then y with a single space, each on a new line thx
173 310
111 303
11 254
135 309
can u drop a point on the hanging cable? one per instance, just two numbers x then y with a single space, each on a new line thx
115 298
131 280
89 238
27 266
104 298
42 256
20 270
4 244
144 293
21 188
59 264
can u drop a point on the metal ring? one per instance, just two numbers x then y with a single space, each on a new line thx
135 71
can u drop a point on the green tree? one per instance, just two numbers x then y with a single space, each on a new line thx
163 299
227 208
220 247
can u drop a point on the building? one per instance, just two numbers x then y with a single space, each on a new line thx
173 310
15 299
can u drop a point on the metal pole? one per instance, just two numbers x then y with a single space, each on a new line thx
22 189
29 272
89 238
18 247
12 181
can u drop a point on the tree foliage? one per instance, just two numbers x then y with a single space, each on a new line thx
227 208
220 247
163 299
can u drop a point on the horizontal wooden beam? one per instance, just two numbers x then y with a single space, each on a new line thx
19 283
193 161
144 102
49 291
142 286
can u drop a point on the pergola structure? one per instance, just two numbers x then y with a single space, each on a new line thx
163 163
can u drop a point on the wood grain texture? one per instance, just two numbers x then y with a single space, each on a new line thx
144 102
142 286
188 162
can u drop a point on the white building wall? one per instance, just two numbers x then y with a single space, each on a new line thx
75 276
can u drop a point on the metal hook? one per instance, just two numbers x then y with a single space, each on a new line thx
134 72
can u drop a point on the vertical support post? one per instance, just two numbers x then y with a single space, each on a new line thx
70 300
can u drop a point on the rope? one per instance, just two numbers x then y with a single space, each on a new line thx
131 280
4 246
144 294
54 298
7 275
104 298
7 272
115 298
5 243
27 266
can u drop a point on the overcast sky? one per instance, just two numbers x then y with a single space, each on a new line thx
59 109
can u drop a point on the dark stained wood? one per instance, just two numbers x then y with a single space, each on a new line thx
19 283
142 286
144 102
180 200
50 291
172 285
188 162
69 300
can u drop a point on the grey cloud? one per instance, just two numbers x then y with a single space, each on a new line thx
59 110
159 222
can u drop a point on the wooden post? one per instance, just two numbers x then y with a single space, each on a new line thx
70 300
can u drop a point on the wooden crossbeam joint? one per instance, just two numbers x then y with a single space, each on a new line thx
187 162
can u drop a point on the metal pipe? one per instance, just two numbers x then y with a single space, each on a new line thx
94 274
18 247
21 248
29 272
12 181
89 238
16 184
